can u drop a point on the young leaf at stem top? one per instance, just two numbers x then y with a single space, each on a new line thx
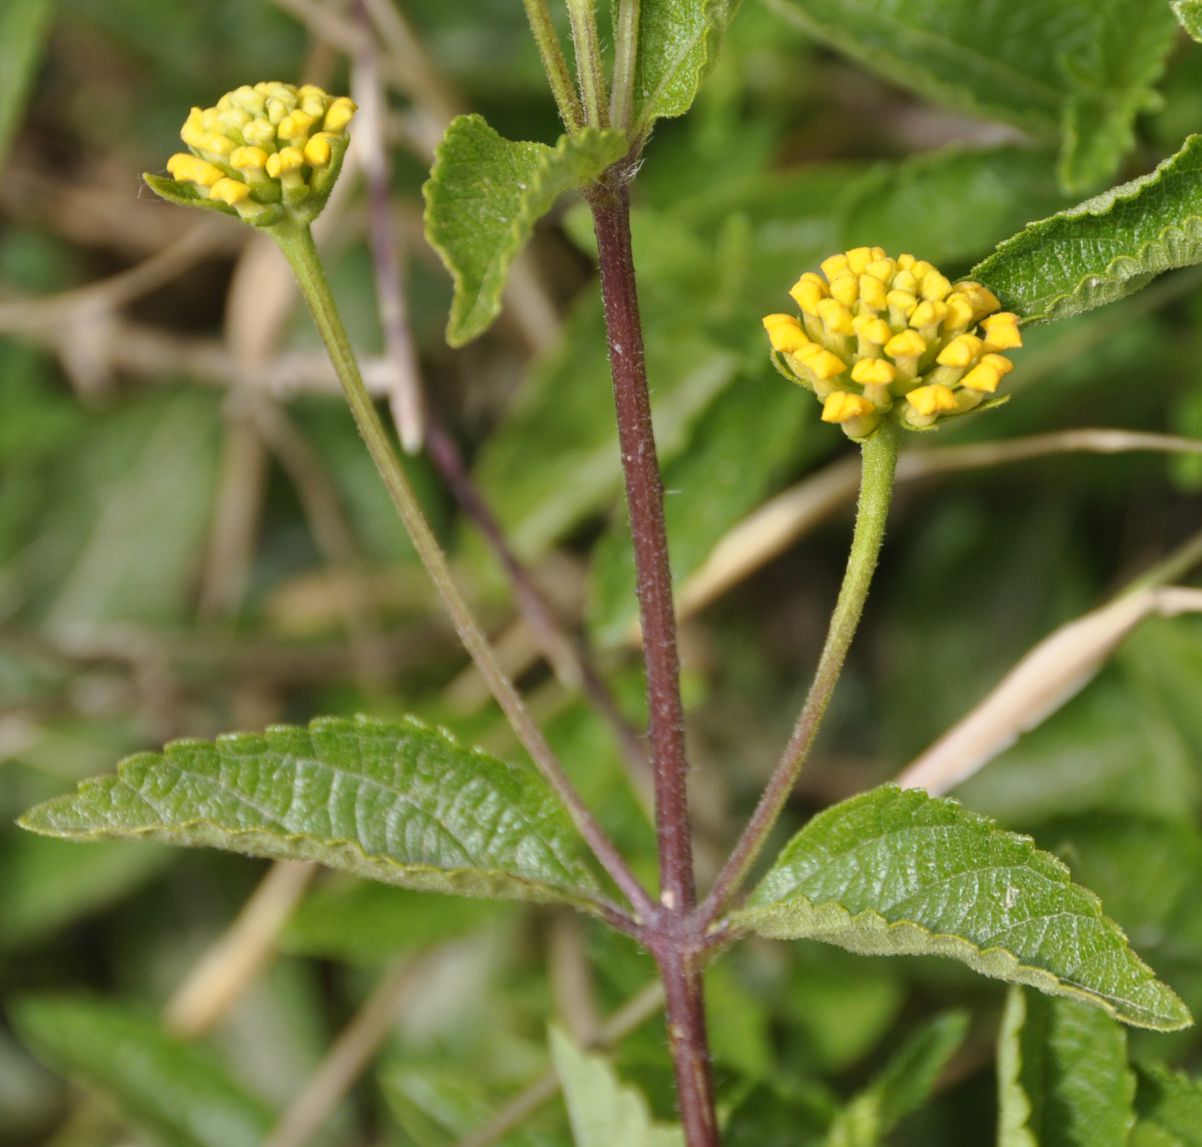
895 872
483 197
390 801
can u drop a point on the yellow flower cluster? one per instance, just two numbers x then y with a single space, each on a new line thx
878 334
265 150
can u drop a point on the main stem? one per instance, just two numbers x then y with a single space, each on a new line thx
296 242
879 466
671 935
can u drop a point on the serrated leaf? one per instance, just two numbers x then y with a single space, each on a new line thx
1169 1107
678 40
603 1110
483 198
902 1087
1063 1079
1105 248
391 801
895 872
24 26
1189 16
178 1093
1080 70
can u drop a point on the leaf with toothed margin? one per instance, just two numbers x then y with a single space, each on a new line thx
483 198
895 872
1105 248
391 801
678 42
1189 16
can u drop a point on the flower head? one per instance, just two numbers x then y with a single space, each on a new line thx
878 337
263 153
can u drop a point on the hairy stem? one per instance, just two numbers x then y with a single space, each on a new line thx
296 242
587 42
645 498
554 64
879 467
669 934
626 51
684 1005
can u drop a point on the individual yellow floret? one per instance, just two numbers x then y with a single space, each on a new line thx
873 372
834 265
842 406
231 191
988 373
1001 331
320 149
835 317
285 162
872 292
785 333
825 365
808 292
962 351
927 401
845 287
191 169
339 114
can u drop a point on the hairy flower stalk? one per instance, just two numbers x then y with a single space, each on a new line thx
266 154
880 336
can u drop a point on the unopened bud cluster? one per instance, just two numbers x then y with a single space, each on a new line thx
264 151
879 335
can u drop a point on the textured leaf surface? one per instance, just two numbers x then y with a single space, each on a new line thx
1079 70
1169 1108
1063 1079
1105 248
901 873
396 802
903 1087
603 1110
483 198
176 1092
678 40
1189 16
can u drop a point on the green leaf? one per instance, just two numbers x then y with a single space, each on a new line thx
391 801
24 26
1169 1107
1063 1079
177 1092
678 41
903 1087
1105 248
483 198
895 872
1189 16
1077 70
603 1110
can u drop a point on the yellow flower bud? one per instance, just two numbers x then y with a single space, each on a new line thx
872 292
784 333
873 372
833 266
319 150
190 169
835 317
1001 331
930 400
285 162
231 191
962 351
808 292
339 114
842 406
845 287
